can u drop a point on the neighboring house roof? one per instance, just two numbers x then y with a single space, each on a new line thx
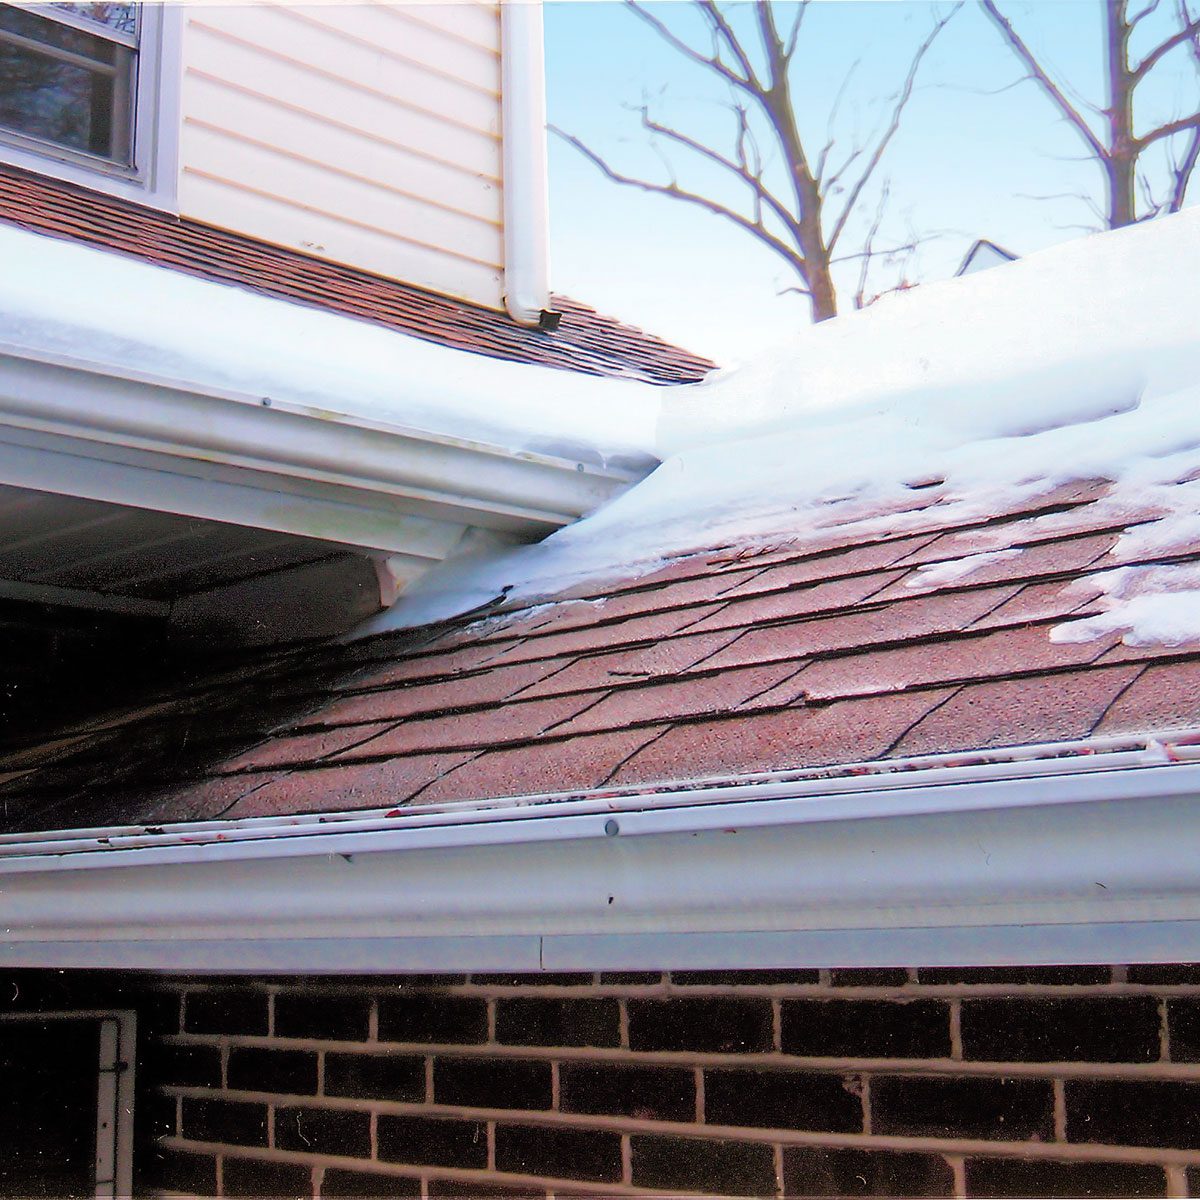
812 650
983 255
585 341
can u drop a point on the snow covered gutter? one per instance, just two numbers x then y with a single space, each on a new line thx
126 436
1053 854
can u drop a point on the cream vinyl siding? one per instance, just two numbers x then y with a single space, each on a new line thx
368 134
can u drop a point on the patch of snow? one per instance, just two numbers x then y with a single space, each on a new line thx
60 297
1157 604
1078 362
953 569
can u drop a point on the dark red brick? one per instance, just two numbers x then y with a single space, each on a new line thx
432 1141
572 764
1164 973
558 1153
1127 1112
747 978
645 1093
337 1182
238 1123
323 1131
1012 712
258 1069
432 1018
965 1107
711 1167
1049 976
333 1018
491 1083
375 1076
781 1100
226 1012
536 1022
742 1025
254 1178
866 1028
848 731
889 977
1074 1029
848 1172
177 1171
1022 1177
185 1066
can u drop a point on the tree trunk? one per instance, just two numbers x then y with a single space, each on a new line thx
1120 164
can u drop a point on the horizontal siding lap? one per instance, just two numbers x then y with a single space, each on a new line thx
381 136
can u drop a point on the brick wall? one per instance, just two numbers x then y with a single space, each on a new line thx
1049 1081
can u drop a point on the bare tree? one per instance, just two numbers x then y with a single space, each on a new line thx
794 212
1108 132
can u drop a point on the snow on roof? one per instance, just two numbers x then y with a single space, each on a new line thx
1079 362
63 297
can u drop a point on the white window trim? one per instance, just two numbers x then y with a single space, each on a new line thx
115 1085
153 177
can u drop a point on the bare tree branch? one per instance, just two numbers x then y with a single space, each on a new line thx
724 32
673 190
714 62
893 125
1186 34
1170 129
1038 74
740 169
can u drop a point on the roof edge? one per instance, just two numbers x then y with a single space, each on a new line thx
1088 858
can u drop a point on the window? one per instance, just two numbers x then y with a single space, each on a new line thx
82 96
66 1104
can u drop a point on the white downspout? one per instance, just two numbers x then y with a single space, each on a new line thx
526 199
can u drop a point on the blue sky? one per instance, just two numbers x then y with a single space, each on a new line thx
965 164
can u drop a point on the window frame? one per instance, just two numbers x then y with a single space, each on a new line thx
115 1082
151 179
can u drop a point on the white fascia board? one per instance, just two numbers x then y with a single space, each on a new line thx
127 437
1069 865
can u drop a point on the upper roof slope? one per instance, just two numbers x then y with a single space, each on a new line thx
811 649
585 341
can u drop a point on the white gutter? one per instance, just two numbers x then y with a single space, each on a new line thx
1067 859
129 437
526 202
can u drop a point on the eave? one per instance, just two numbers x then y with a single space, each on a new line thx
1064 856
74 428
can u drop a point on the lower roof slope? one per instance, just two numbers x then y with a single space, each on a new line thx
833 647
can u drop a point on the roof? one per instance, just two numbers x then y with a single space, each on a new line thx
846 644
585 341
